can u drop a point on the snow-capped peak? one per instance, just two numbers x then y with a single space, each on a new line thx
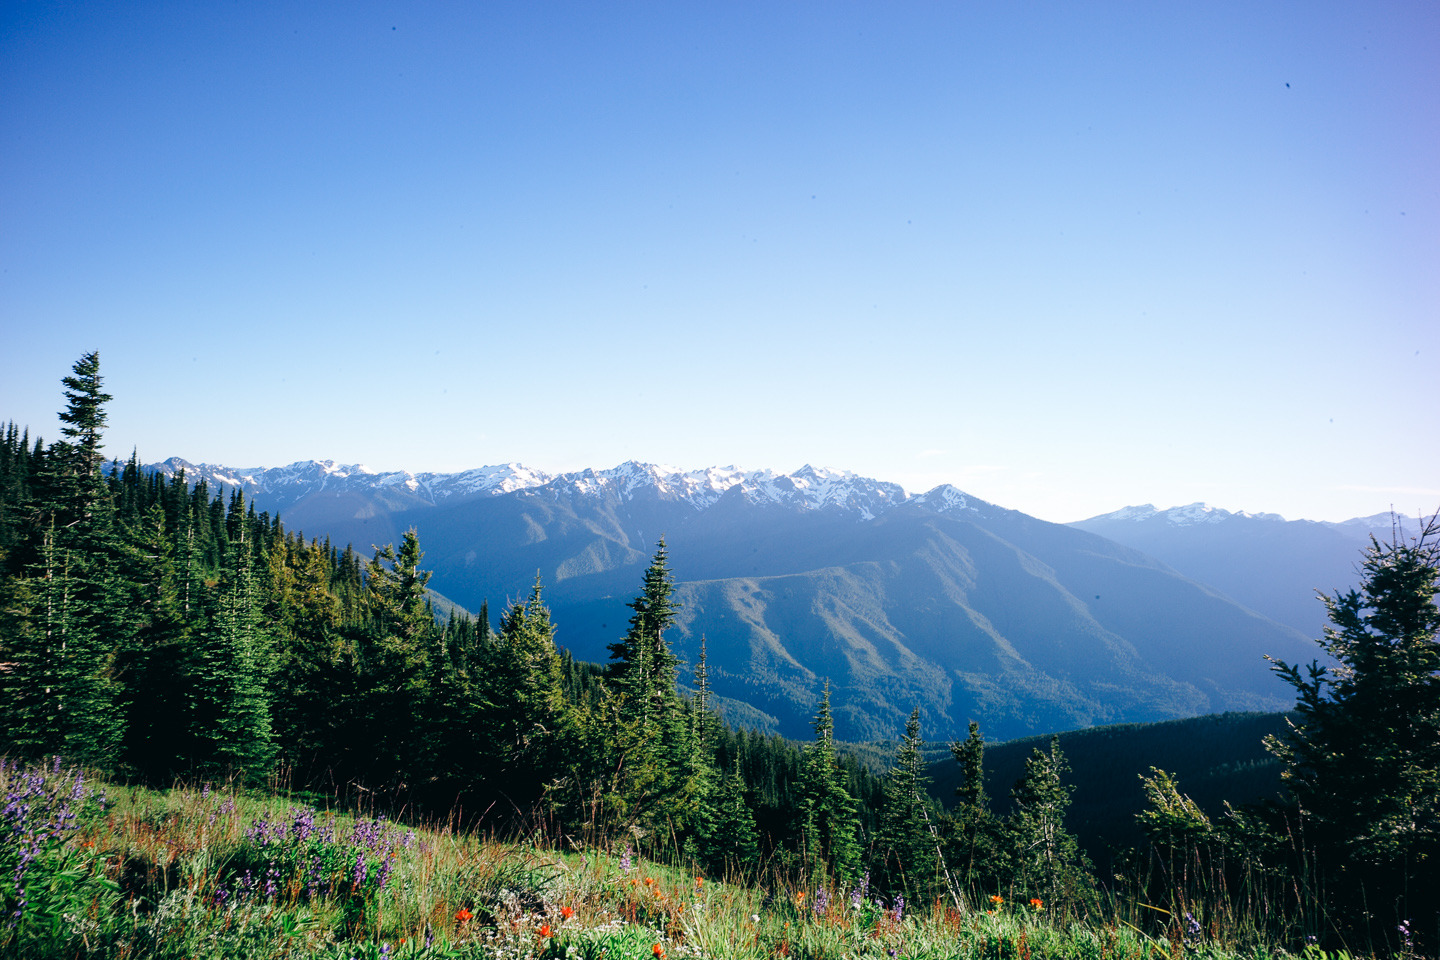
1190 515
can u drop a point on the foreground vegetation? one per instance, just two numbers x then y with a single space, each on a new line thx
204 871
149 632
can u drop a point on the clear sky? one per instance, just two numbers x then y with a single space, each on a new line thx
1065 256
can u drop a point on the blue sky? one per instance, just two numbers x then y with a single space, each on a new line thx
1065 256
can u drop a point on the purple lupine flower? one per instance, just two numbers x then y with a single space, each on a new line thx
313 887
821 903
625 860
383 874
272 882
899 908
358 876
429 937
1407 936
302 824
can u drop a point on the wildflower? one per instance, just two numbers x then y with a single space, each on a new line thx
625 860
566 913
658 950
545 931
1039 904
1407 938
699 881
997 899
462 915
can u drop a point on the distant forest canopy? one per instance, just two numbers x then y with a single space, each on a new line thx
153 630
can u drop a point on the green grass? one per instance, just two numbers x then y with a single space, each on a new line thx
195 872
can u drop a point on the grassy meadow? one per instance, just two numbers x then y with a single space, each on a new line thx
95 869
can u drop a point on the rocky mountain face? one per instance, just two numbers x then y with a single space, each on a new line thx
940 600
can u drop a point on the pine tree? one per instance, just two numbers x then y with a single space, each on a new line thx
1363 760
645 757
232 713
154 663
642 665
528 729
827 822
1046 857
973 848
75 477
64 685
725 840
907 846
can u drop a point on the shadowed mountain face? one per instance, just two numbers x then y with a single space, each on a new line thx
939 600
1263 561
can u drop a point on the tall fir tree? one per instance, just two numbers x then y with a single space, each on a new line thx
232 713
973 847
65 647
644 751
828 826
1046 858
1363 760
907 860
725 839
529 727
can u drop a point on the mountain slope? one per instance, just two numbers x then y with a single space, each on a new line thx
939 600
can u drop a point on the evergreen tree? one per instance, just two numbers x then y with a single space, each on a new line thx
154 665
1363 760
64 686
233 709
529 727
642 665
75 475
1046 857
644 752
973 848
907 859
826 812
725 840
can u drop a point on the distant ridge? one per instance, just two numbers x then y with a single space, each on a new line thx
1268 563
939 599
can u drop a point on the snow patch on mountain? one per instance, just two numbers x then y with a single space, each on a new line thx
948 499
809 488
1190 515
294 481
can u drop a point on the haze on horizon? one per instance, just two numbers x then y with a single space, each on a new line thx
1065 258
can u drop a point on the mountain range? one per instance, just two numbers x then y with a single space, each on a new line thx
938 600
1269 564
